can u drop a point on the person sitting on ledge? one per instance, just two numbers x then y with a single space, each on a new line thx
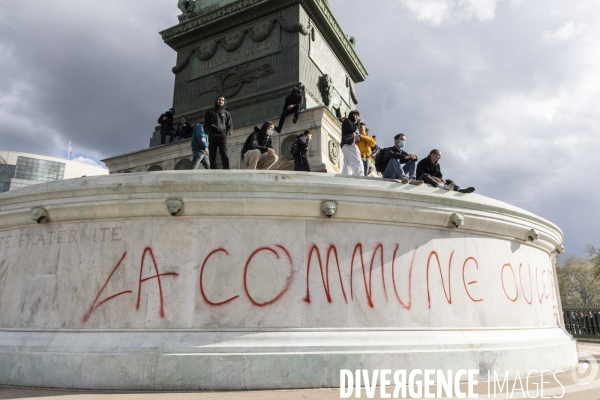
166 126
292 106
184 130
399 164
218 125
300 151
258 150
429 170
200 148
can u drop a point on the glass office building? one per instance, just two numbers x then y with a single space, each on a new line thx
33 169
7 173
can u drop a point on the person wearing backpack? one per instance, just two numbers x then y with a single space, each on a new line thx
300 151
353 165
200 147
399 164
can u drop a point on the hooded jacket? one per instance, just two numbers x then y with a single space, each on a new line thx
199 139
217 121
302 144
349 127
167 125
258 140
426 166
292 100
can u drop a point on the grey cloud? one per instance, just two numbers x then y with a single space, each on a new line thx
510 103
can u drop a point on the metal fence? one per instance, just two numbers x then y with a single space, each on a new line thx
582 322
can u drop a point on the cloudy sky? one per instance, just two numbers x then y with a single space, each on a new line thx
509 90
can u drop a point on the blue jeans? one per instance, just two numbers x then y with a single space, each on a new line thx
395 170
200 157
366 165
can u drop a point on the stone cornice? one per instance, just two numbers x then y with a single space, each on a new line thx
245 11
388 201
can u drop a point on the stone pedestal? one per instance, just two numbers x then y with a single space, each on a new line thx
253 52
324 152
231 280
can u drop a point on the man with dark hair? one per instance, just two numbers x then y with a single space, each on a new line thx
218 125
399 163
292 106
300 151
184 130
430 171
166 126
258 152
353 165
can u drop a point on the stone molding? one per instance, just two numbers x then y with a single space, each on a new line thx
394 203
246 11
231 44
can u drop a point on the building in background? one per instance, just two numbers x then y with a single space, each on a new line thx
18 170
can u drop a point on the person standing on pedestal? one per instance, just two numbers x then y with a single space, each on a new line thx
364 146
292 105
300 151
353 165
218 125
258 150
200 143
166 126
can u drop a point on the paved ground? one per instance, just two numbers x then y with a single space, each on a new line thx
570 389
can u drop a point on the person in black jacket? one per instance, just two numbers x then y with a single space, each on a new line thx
301 155
258 150
218 125
166 126
353 164
184 130
399 163
292 106
429 170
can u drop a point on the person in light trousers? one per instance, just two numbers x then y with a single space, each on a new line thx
353 164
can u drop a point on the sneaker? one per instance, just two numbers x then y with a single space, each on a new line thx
416 182
295 120
405 180
449 187
467 190
277 129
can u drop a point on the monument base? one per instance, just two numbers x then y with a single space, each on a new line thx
252 360
269 280
324 151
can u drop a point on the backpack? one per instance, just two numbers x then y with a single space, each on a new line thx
380 165
295 149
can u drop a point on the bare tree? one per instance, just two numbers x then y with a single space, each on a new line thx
594 253
577 282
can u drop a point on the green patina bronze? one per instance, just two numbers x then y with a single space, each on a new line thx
254 51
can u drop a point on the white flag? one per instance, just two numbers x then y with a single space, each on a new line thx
70 148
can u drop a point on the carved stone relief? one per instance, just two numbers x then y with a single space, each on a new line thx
229 83
286 147
334 152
